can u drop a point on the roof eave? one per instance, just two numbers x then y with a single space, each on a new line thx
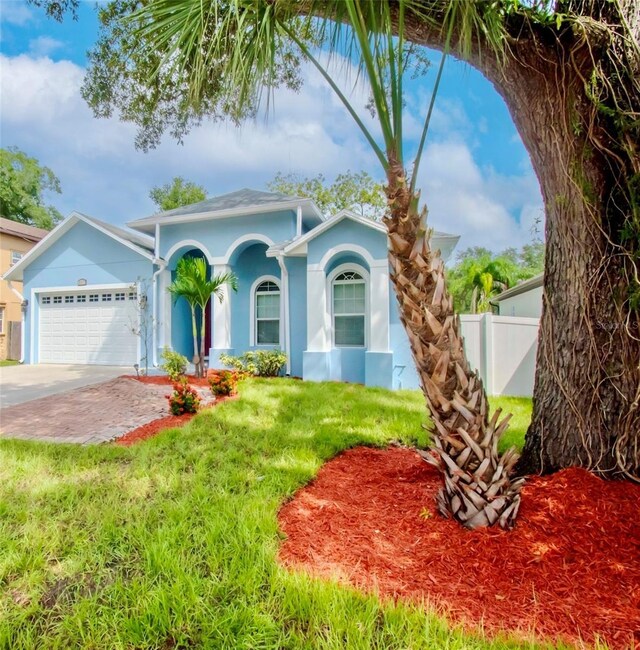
148 223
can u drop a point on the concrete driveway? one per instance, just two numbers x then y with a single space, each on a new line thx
23 383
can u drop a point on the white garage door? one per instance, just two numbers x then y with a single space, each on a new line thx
92 327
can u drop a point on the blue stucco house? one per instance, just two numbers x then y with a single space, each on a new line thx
316 287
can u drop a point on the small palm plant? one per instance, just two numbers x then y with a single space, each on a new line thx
191 284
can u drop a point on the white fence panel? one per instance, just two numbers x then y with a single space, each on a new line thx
503 350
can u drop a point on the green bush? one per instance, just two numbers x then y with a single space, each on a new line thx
223 382
263 363
175 364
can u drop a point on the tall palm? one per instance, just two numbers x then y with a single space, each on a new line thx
205 288
246 34
184 286
191 284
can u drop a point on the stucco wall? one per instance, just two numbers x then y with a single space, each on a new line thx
82 252
216 237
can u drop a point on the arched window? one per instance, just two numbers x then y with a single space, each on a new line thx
267 313
349 309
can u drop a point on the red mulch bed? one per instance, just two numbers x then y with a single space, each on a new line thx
569 570
152 428
160 380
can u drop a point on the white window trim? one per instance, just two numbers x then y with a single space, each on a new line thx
2 316
12 253
360 270
253 333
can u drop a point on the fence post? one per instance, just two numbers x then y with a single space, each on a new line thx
488 361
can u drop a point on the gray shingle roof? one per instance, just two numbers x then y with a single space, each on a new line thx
244 198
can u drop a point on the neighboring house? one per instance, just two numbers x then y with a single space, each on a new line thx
524 299
16 239
317 288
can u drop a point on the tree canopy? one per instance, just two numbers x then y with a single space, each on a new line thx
176 194
356 191
23 184
478 274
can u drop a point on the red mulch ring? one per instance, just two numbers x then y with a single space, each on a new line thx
569 570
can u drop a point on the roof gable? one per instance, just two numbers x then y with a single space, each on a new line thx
136 242
299 246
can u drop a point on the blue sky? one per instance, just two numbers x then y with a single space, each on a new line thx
476 176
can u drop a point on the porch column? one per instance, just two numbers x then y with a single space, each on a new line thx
379 307
220 320
318 318
164 309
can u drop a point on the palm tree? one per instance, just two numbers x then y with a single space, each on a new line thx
205 288
245 35
192 284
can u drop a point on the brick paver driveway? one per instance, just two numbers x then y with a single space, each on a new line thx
93 414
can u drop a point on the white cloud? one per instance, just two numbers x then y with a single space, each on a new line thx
15 13
308 132
44 46
477 204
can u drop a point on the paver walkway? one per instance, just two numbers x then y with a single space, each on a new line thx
87 415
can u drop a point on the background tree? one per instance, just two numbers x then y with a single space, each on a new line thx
478 274
568 72
23 183
176 194
355 191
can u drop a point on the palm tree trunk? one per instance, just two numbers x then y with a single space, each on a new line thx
203 329
194 330
478 490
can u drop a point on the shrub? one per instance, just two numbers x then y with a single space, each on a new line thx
223 382
184 398
175 364
263 363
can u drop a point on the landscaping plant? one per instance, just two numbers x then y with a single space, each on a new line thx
174 364
192 284
223 382
184 398
263 363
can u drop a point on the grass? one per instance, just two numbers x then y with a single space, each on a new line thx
8 362
172 543
520 408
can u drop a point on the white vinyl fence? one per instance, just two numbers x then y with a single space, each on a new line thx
503 350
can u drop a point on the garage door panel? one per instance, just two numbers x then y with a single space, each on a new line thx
88 327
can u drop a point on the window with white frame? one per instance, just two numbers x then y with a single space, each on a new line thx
267 311
16 256
349 309
1 320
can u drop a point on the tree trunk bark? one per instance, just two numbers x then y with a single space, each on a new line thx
587 386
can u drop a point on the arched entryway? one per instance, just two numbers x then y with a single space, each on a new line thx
180 330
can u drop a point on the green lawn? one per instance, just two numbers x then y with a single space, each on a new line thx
172 543
8 362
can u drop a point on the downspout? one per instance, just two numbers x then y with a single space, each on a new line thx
162 265
23 311
285 290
